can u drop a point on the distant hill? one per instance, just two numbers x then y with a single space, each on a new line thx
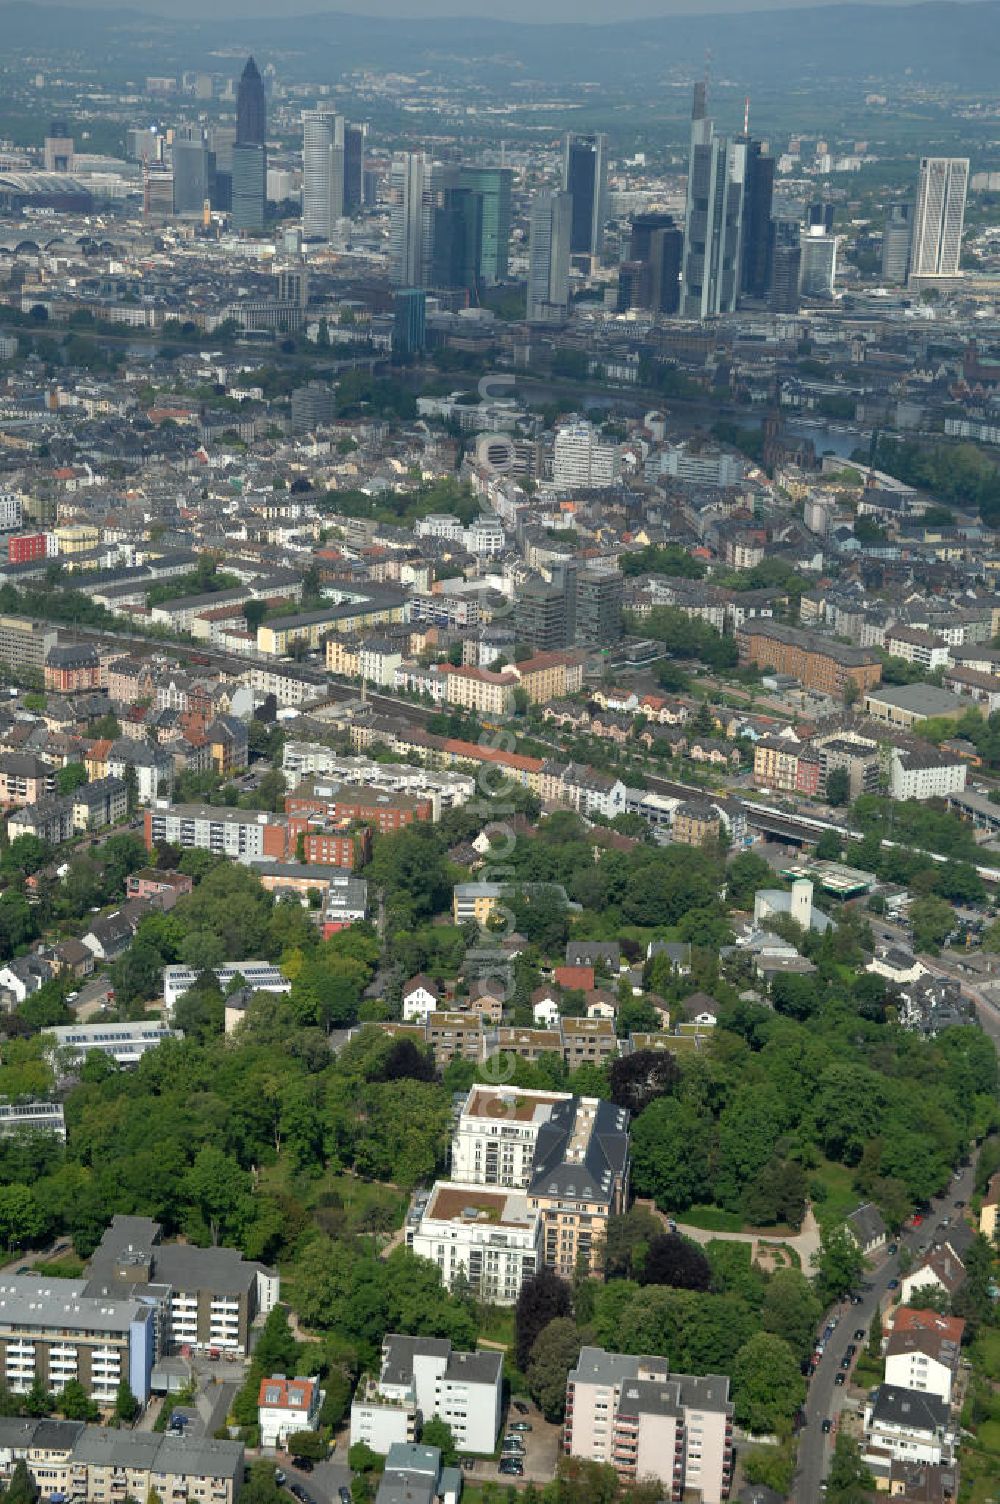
953 44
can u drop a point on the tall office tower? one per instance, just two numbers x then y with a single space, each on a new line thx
251 108
409 321
456 237
819 261
354 167
786 267
293 286
940 214
492 186
59 148
548 257
221 140
407 184
585 176
758 194
897 241
819 219
658 245
713 230
249 187
322 173
194 175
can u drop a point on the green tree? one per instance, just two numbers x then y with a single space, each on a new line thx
71 777
555 1350
791 1310
22 1488
308 1444
838 787
932 920
437 1433
76 1404
670 1154
126 1405
839 1264
849 1481
768 1386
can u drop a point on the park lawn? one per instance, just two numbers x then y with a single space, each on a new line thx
988 1437
841 1198
712 1219
980 1476
368 1204
985 1353
496 1324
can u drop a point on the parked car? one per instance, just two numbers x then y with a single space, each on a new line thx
519 1425
520 1407
840 1379
845 1361
893 1284
827 1425
512 1467
859 1335
344 1494
302 1464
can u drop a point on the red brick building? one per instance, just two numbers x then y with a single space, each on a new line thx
383 811
24 548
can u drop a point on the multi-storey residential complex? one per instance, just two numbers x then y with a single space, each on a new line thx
38 1117
25 643
857 756
492 1236
422 1377
480 690
818 662
58 1330
785 765
634 1415
247 835
70 1460
328 800
924 772
914 645
570 1154
204 1298
259 976
124 1043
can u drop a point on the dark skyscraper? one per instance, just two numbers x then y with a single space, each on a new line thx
787 267
658 245
585 176
354 167
758 193
251 108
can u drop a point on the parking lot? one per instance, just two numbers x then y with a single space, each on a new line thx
542 1447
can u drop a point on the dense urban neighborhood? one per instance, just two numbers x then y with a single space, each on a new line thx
499 759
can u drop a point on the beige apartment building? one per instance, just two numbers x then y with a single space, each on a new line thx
631 1413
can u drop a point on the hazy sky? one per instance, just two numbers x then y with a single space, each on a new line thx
519 10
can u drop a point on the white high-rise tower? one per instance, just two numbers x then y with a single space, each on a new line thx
939 217
322 173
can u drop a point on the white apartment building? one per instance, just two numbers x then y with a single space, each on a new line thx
125 1043
908 1426
494 1142
40 1117
711 467
925 773
632 1414
421 1377
923 1353
493 1236
917 646
259 976
10 511
285 1406
581 458
245 835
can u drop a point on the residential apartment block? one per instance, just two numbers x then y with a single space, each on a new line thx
202 1298
819 663
246 835
259 976
124 1043
421 1377
323 799
569 1154
492 1237
58 1330
632 1414
70 1460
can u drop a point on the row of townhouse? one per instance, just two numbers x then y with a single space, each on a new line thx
467 1034
90 807
70 1461
911 1419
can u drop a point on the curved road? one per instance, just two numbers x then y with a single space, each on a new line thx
825 1399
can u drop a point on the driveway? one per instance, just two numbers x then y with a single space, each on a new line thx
805 1242
825 1399
542 1447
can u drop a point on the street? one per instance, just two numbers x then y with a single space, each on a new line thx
824 1397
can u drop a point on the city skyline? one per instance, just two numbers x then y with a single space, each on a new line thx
543 12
